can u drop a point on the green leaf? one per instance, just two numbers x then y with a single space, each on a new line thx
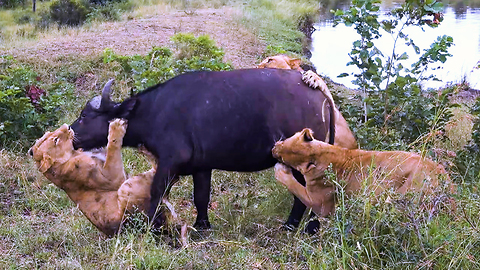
338 12
404 56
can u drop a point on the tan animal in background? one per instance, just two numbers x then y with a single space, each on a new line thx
97 184
343 135
402 171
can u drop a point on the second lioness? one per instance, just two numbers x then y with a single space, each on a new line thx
343 135
402 171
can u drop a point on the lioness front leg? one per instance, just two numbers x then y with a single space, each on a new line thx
113 167
314 81
284 175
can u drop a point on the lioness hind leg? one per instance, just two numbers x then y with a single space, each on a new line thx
113 167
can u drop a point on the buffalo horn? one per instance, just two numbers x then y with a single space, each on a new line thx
106 90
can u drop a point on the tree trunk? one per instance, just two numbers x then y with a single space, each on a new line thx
34 8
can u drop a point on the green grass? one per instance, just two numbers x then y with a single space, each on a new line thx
41 228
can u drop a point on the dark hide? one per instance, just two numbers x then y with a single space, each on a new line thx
201 121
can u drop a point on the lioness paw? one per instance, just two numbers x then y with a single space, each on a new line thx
313 80
117 129
283 174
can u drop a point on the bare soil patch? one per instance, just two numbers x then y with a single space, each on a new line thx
138 36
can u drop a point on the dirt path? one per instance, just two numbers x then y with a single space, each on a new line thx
137 36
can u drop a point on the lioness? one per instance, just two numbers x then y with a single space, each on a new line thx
400 170
96 183
343 135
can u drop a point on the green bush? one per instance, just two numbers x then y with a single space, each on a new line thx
12 3
105 2
108 11
25 108
25 16
160 64
68 12
467 161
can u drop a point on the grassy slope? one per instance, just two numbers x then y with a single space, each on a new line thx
41 228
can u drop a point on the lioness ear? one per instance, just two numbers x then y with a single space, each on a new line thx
294 63
46 163
307 135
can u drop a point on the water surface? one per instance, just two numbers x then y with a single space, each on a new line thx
331 45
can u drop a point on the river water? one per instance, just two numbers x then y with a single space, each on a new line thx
331 45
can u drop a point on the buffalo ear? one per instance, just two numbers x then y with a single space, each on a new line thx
307 135
124 109
46 163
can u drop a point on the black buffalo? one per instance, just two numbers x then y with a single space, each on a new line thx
201 121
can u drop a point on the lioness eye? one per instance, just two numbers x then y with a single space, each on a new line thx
56 140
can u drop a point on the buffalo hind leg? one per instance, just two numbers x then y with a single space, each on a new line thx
201 197
298 210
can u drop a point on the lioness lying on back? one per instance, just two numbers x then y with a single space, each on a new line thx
98 186
402 171
343 135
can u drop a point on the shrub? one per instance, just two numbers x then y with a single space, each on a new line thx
68 12
395 106
467 161
12 3
160 64
24 16
109 10
25 108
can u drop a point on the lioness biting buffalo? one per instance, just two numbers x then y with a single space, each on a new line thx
192 124
95 182
402 171
205 120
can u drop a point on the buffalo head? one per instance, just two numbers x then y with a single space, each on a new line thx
91 128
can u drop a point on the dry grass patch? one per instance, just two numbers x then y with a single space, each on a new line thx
139 35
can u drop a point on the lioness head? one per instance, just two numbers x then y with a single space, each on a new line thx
56 146
280 61
302 152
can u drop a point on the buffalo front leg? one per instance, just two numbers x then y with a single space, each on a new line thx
162 182
298 209
201 197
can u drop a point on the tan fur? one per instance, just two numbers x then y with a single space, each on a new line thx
99 188
402 171
343 135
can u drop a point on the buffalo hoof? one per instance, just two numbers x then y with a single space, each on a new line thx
291 225
312 226
202 225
